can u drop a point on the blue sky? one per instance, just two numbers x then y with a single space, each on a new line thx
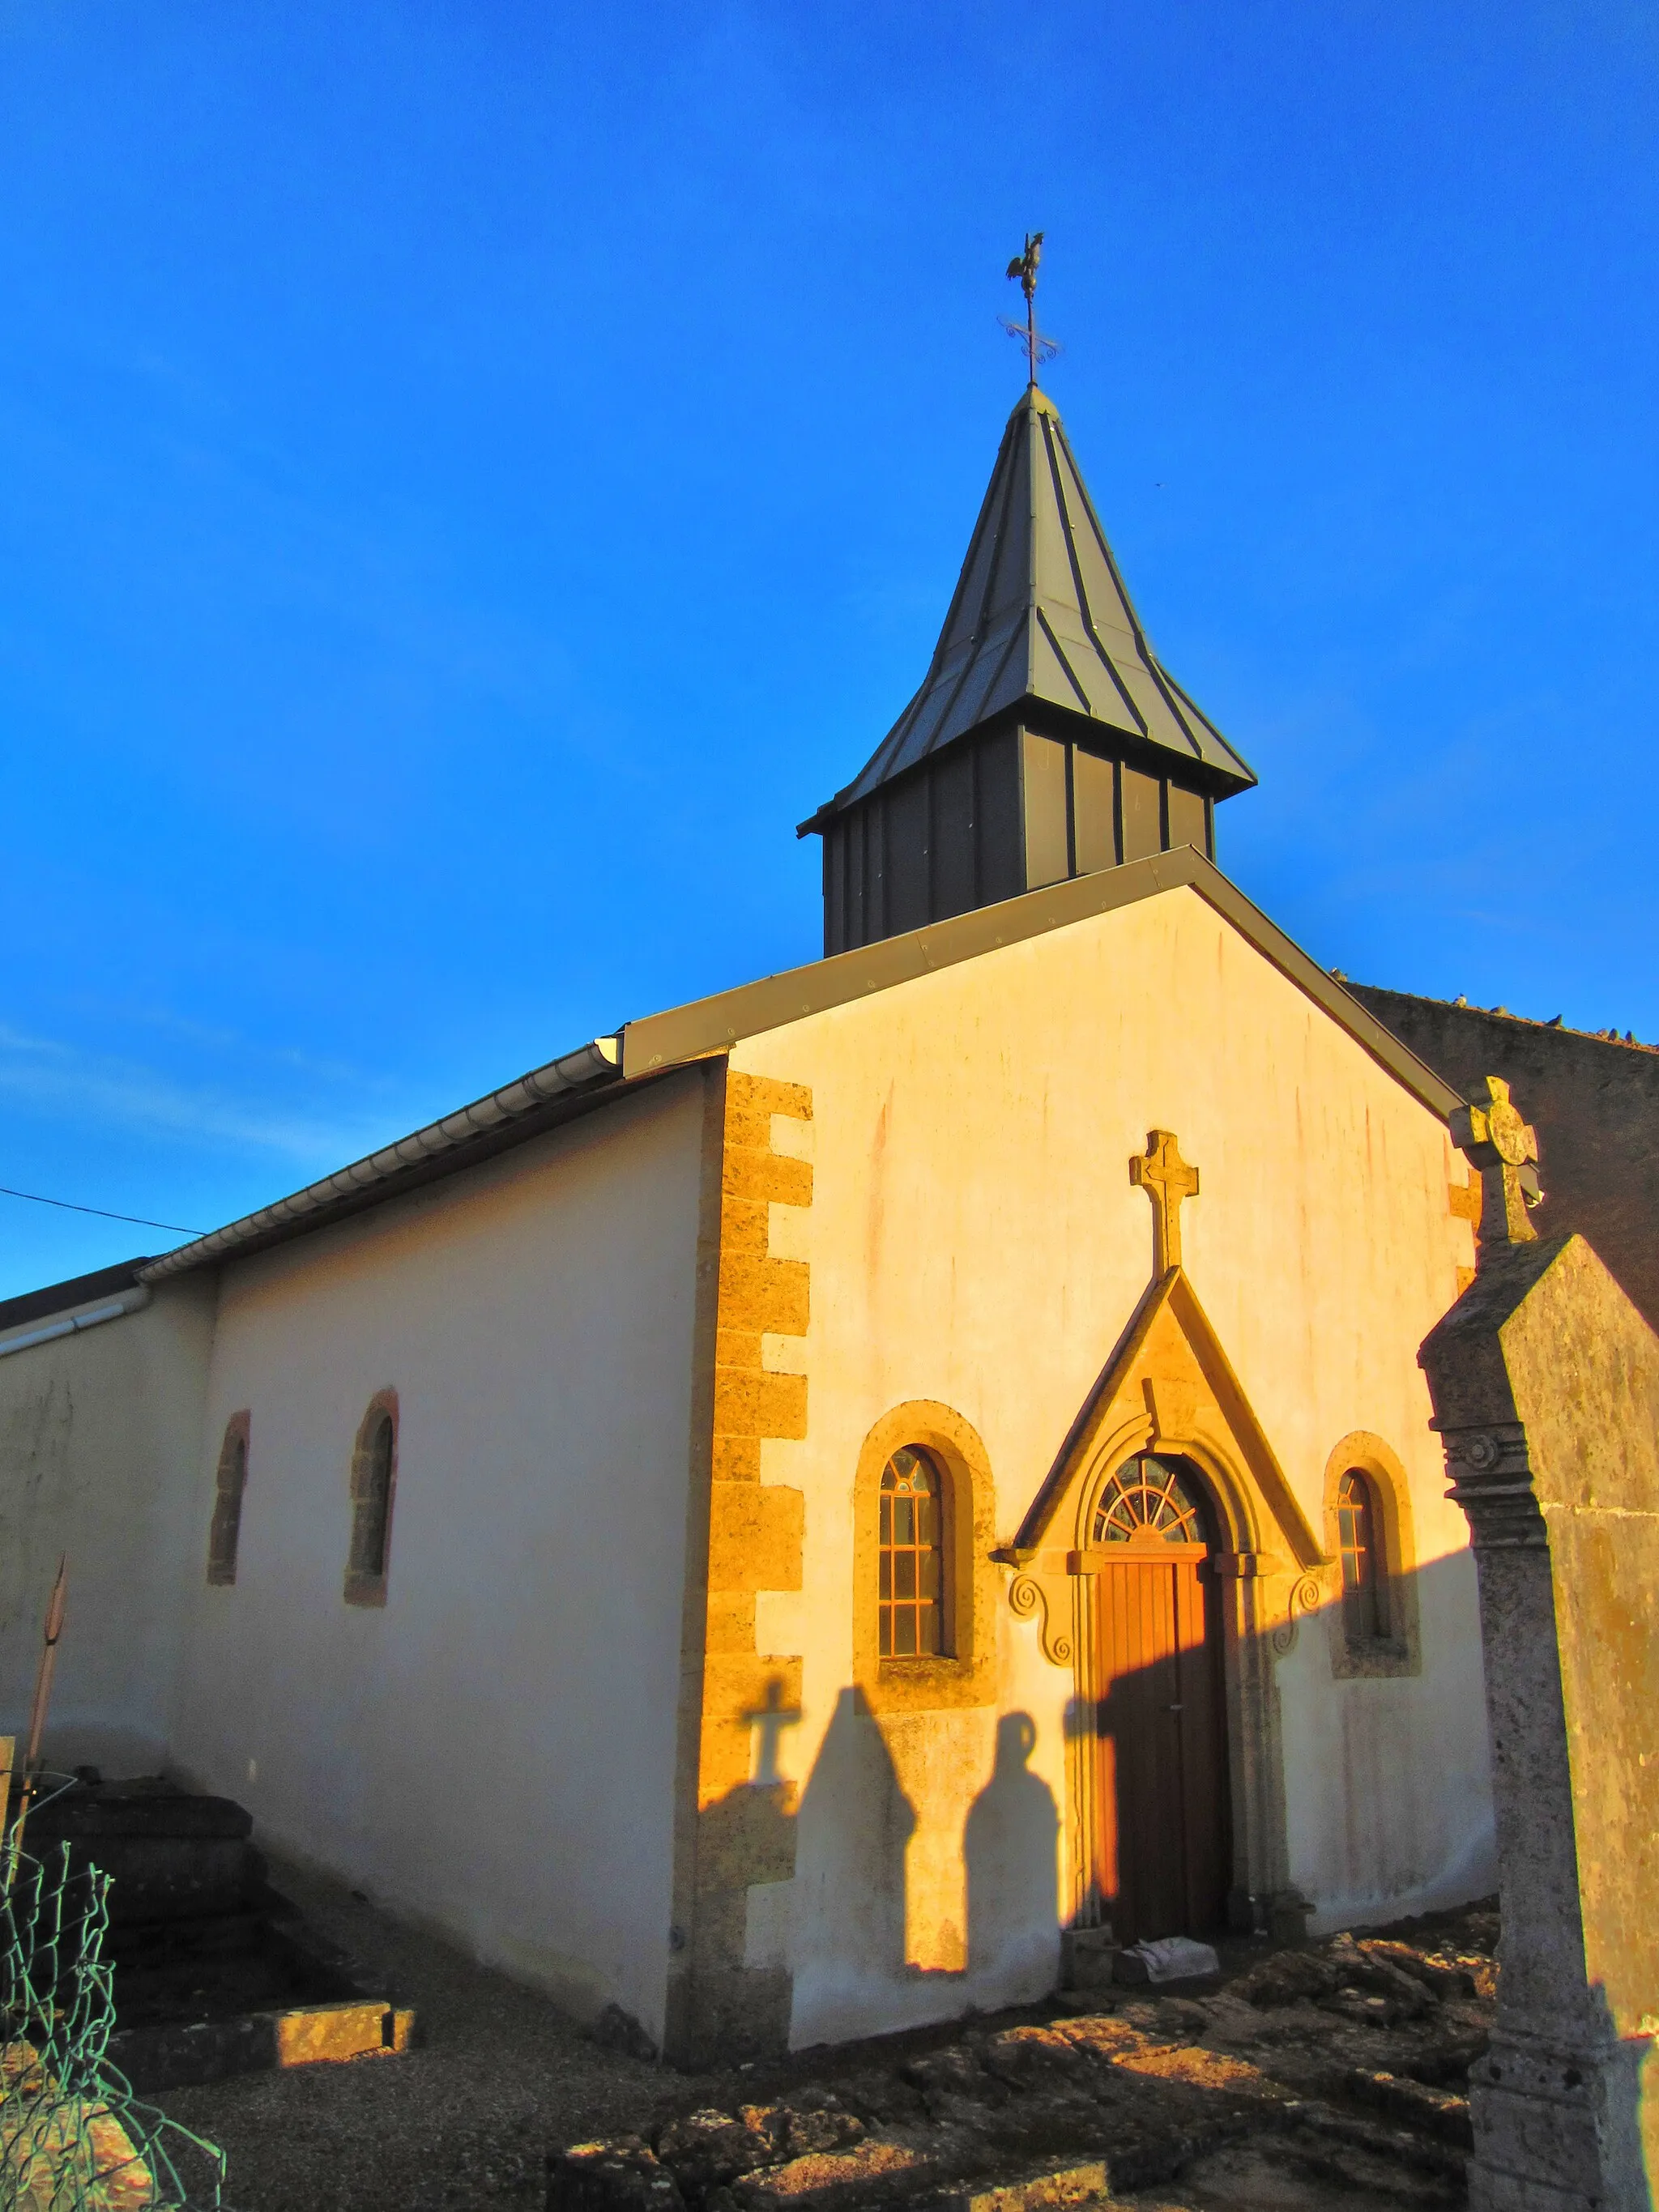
475 477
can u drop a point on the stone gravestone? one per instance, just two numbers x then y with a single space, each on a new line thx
1545 1386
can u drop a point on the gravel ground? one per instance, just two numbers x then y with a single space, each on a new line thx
500 2077
465 2119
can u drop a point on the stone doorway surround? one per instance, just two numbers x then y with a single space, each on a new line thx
1169 1387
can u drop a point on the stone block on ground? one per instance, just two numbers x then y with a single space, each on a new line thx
1368 1969
858 2180
1048 2189
881 2098
1086 1955
1213 2071
78 2154
57 2149
1167 2019
1305 2105
620 2175
1033 2058
1436 2109
1302 2171
613 2029
170 1854
1399 2149
1102 2037
1285 1978
809 2133
952 2080
708 2147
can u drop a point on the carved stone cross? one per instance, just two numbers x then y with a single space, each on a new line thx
1165 1178
1490 1131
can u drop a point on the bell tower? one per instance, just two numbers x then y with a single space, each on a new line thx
1047 740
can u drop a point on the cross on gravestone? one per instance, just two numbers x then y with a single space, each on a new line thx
770 1720
1165 1178
1490 1131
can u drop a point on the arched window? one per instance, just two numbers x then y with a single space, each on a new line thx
924 1506
1149 1499
1365 1605
911 1589
373 1479
1373 1631
229 1484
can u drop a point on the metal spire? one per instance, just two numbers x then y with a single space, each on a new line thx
1038 348
1041 622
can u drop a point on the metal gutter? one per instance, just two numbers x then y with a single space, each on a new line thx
130 1301
472 1132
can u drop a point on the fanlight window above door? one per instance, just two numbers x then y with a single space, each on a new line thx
1149 1498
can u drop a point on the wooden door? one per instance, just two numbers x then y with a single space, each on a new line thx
1163 1853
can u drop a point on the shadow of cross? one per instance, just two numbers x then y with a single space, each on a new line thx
1165 1178
770 1720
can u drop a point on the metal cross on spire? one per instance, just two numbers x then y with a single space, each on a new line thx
1038 348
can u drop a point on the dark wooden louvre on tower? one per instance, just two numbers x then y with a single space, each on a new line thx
1046 741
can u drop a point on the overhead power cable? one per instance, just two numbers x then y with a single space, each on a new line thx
69 1206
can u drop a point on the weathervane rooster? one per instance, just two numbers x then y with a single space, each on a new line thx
1024 267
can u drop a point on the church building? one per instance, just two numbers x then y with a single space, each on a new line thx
774 1516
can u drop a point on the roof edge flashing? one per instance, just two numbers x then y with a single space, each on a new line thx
716 1024
590 1066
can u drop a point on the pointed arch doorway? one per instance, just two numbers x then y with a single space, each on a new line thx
1163 1833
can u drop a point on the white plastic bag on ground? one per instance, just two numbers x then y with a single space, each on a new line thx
1175 1959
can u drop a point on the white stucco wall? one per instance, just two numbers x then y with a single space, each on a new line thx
975 1239
100 1437
494 1751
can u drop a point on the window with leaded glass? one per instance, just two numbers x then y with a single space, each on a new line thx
1365 1610
911 1590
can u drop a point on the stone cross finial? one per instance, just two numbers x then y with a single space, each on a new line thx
1490 1131
1165 1178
